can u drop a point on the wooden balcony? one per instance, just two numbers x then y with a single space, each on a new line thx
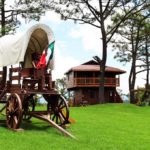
92 82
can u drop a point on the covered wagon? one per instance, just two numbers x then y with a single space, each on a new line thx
26 63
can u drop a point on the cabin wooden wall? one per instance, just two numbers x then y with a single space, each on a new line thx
77 97
70 79
90 95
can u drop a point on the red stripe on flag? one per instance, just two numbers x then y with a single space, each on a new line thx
42 62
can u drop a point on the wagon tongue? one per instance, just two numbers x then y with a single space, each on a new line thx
52 123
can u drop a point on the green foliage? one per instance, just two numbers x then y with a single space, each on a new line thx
12 13
99 127
143 96
61 86
132 36
131 45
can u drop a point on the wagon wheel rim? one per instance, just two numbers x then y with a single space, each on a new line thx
60 112
29 106
13 111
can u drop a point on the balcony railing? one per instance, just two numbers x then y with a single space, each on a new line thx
91 82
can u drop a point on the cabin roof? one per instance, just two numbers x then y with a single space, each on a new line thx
94 66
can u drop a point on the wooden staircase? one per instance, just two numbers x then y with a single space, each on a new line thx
118 98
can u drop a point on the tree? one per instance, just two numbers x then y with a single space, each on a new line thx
139 93
130 46
61 86
97 14
145 53
11 13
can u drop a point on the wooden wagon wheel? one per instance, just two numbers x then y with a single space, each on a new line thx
28 106
13 111
59 110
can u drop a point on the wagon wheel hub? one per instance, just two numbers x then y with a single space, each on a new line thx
56 110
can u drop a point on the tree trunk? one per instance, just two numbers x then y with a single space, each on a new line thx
3 33
102 66
130 87
3 18
132 78
147 70
147 63
101 87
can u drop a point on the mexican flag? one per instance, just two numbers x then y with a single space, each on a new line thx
47 55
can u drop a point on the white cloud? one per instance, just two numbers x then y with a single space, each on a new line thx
140 82
52 17
63 62
141 79
61 44
89 35
124 83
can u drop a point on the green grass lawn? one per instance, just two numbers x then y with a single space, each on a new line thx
99 127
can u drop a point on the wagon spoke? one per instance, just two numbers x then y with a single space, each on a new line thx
10 106
63 106
61 118
11 122
57 119
29 106
60 103
12 103
15 122
8 110
9 119
11 99
62 115
54 116
16 111
15 103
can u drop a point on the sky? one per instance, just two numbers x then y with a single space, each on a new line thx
76 44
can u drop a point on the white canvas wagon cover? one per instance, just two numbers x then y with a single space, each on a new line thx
19 48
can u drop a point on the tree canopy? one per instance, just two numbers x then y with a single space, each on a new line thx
12 12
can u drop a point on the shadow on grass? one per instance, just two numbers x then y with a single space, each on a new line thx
2 123
29 125
38 126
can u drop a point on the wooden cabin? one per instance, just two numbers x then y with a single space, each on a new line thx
83 83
